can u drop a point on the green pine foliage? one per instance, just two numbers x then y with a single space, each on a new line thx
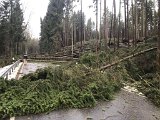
143 72
79 85
46 90
11 28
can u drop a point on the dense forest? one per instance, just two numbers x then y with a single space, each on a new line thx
15 38
136 21
11 28
62 26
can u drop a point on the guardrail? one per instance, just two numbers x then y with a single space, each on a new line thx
9 71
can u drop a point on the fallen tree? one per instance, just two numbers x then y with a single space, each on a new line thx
126 58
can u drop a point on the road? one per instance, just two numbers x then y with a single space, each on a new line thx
125 106
32 67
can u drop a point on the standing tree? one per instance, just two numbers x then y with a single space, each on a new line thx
158 60
100 23
51 27
119 24
114 25
81 26
12 27
105 25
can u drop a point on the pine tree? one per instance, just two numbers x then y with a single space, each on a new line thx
51 32
12 27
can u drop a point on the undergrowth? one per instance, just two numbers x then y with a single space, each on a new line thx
143 70
151 88
4 62
103 58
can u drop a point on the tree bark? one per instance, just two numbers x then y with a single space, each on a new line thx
146 27
72 31
136 22
111 28
105 25
133 29
100 23
128 23
97 44
81 28
114 26
119 21
158 56
125 18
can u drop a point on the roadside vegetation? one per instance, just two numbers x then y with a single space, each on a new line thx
4 62
74 86
80 84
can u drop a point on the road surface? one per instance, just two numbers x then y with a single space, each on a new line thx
31 67
125 106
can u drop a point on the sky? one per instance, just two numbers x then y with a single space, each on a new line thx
36 9
33 11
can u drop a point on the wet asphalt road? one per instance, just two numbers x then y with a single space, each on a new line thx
32 67
125 106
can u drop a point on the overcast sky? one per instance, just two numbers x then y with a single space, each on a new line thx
34 9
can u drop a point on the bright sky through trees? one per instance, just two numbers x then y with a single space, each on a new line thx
34 9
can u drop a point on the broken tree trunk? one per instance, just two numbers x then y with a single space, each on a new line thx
126 58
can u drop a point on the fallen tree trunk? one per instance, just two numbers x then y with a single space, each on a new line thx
126 58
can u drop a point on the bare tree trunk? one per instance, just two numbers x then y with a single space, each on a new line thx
133 29
81 28
100 23
158 56
84 33
114 26
125 17
136 22
97 31
64 31
155 24
119 21
143 18
146 26
105 26
11 33
72 31
111 28
128 23
97 24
